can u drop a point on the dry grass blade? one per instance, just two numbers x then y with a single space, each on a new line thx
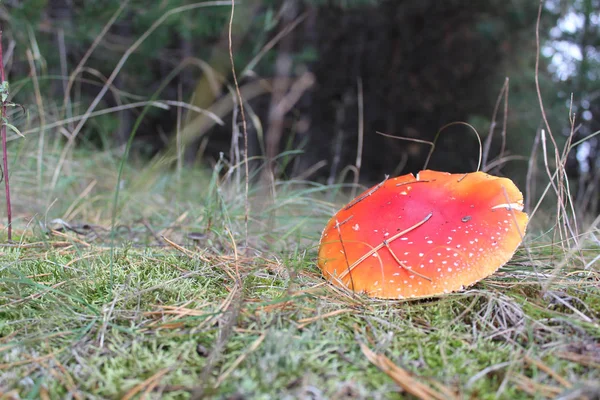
178 247
403 378
116 71
533 388
267 47
488 141
42 115
70 238
548 370
582 359
238 277
63 376
147 383
306 321
38 294
178 312
36 245
7 366
227 321
240 359
10 395
89 52
442 129
361 134
244 127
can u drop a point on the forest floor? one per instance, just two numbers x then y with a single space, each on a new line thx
153 309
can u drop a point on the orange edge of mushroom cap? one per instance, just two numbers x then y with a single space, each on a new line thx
419 237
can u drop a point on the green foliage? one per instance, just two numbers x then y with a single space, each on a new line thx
29 12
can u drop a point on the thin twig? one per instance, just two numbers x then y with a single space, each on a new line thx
4 150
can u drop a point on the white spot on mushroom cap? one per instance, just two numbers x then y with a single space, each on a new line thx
356 227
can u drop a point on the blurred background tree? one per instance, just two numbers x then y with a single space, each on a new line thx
322 77
574 53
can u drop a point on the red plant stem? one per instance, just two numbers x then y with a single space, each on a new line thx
4 151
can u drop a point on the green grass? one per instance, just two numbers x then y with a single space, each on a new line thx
152 321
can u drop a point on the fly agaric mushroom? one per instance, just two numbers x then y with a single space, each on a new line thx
418 237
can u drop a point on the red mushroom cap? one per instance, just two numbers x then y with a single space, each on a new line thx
418 237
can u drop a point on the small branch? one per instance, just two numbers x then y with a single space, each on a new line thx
4 93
